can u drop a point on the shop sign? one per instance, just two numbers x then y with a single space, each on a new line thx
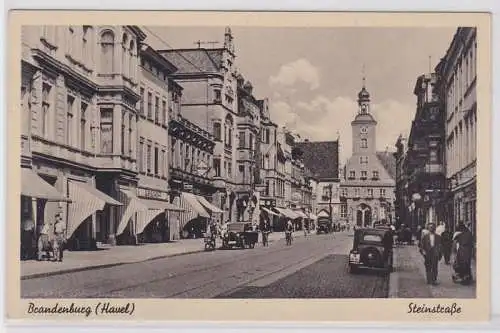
152 194
267 202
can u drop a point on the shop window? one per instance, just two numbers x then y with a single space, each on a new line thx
217 167
364 143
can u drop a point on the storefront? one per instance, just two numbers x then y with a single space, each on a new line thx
193 220
145 216
285 215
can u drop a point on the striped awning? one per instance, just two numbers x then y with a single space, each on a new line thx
85 200
155 208
32 185
134 205
208 205
287 213
300 214
269 211
192 200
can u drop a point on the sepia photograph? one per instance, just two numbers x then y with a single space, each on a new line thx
246 162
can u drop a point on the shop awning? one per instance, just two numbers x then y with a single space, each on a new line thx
312 216
161 205
208 205
195 204
155 208
287 213
269 211
300 214
32 185
134 205
85 200
323 214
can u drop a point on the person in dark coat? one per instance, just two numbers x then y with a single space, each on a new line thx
447 243
463 245
430 248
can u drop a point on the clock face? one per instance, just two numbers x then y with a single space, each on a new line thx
364 130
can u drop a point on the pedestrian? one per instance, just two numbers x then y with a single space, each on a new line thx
447 243
441 227
431 250
463 245
423 232
59 240
43 240
27 237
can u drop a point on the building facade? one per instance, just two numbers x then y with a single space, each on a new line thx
321 158
368 188
425 155
209 101
457 87
83 89
402 204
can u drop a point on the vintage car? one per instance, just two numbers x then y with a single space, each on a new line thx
372 249
239 234
324 225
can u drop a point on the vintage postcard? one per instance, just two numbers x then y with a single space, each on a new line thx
237 166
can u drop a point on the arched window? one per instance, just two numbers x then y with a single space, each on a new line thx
125 58
364 143
107 48
131 59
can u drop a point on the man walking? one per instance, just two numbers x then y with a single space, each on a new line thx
431 250
447 243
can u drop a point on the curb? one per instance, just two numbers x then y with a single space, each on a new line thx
88 268
394 276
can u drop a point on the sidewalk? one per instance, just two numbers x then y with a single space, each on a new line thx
408 279
75 261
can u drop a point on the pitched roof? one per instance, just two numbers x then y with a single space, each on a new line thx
194 60
321 157
388 161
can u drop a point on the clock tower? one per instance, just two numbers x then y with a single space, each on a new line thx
363 126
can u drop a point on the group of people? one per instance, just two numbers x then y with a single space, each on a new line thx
50 239
437 242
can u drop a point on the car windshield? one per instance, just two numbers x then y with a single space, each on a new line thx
236 227
372 238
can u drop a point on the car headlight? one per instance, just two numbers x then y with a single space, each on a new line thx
238 234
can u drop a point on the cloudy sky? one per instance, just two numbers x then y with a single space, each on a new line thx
312 75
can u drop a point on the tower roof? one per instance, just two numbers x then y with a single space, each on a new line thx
364 94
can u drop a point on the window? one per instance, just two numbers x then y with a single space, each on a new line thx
356 192
241 169
148 158
45 109
217 167
352 174
83 125
242 140
157 110
141 107
217 131
230 169
106 130
107 50
433 156
140 157
363 159
150 106
70 101
123 133
217 96
370 192
163 164
363 174
230 137
250 141
375 174
164 112
343 211
267 135
157 162
344 192
382 193
131 121
187 160
364 143
267 188
132 62
173 158
181 155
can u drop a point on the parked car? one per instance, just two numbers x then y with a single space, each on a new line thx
373 249
239 234
324 224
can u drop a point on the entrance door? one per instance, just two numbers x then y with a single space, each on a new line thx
368 217
359 218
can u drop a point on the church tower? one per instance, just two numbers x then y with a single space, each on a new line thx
364 126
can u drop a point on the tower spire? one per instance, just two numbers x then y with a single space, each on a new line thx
364 76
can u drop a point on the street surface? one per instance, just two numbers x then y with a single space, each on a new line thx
313 267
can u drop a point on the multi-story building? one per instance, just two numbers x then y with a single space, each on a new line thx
457 87
88 132
368 187
321 158
209 101
402 205
424 157
248 131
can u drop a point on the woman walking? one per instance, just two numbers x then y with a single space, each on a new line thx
463 245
